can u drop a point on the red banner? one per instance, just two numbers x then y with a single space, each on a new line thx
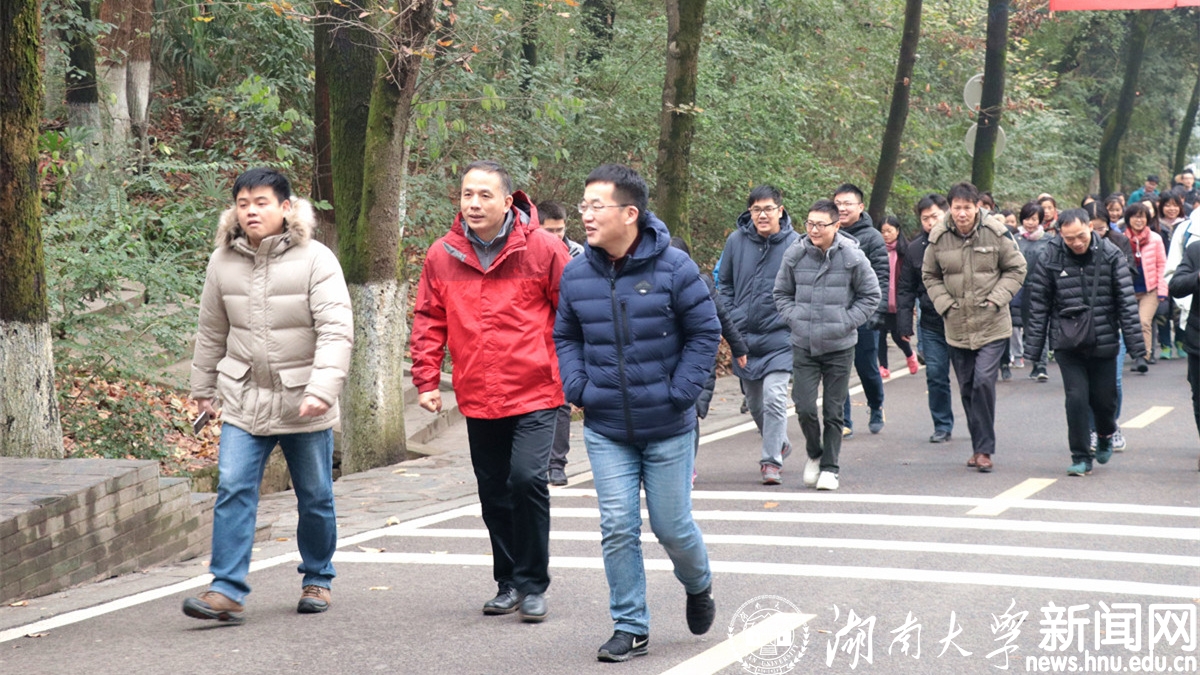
1075 5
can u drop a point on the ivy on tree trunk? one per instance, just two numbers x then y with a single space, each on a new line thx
991 103
889 153
29 423
677 121
1114 130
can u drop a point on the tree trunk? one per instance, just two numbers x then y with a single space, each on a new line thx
991 103
889 153
677 121
529 34
374 433
1118 122
83 98
113 70
598 17
138 83
29 423
322 178
1187 130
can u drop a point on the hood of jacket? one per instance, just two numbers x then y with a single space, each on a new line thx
655 238
746 224
864 222
298 225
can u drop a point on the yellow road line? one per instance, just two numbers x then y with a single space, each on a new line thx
1003 501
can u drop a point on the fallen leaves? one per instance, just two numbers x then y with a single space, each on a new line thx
21 603
368 549
392 520
771 505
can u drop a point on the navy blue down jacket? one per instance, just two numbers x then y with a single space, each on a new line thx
636 346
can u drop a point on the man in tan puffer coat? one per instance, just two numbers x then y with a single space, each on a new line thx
273 347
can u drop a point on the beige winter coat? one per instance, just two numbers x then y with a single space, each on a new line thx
971 280
275 326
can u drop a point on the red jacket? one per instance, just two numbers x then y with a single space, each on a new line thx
499 324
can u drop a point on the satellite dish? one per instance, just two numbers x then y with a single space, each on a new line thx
969 140
973 92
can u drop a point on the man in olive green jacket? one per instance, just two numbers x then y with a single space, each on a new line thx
971 272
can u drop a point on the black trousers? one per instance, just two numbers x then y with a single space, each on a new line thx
511 456
562 437
1091 388
976 370
889 328
1194 380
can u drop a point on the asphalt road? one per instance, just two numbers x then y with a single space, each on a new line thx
914 547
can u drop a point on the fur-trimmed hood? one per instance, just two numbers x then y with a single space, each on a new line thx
299 224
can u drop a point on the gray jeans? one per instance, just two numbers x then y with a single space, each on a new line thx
809 373
767 401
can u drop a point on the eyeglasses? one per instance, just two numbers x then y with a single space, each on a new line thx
584 207
759 210
845 204
813 226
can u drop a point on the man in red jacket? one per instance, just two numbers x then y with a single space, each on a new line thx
489 291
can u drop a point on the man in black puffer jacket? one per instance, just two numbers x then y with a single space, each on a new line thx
852 220
1080 270
1185 282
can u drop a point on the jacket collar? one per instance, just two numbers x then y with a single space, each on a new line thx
525 220
655 238
298 227
746 224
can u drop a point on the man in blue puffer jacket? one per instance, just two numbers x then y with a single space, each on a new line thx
636 336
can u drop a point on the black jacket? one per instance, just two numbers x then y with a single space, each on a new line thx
737 345
910 290
1185 282
1063 279
870 241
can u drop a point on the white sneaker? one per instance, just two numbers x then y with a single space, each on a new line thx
827 481
812 468
1118 441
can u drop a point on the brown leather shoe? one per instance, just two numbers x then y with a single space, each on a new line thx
214 606
984 462
974 461
314 600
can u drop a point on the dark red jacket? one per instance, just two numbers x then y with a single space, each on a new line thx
499 324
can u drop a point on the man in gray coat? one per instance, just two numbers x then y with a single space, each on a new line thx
753 253
825 290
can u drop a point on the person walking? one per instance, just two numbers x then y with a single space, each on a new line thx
826 288
1170 218
1185 283
1100 224
896 250
931 210
1149 280
553 217
488 292
972 270
752 255
1032 242
637 334
273 347
854 221
1083 289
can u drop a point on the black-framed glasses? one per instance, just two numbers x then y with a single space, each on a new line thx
584 207
759 210
813 226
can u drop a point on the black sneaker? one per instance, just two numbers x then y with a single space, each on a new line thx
557 476
701 610
623 646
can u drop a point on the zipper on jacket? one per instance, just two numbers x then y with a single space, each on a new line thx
619 339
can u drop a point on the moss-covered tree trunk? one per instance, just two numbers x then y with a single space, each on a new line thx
138 83
29 423
677 121
322 178
83 97
1118 122
113 71
889 152
991 103
373 427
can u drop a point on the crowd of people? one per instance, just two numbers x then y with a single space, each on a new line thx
626 328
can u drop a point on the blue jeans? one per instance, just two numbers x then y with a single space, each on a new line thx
937 378
242 460
866 364
664 468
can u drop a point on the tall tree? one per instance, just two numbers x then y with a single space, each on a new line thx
83 98
29 423
373 426
1187 128
1118 122
889 152
598 17
677 121
530 10
138 67
991 103
112 70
